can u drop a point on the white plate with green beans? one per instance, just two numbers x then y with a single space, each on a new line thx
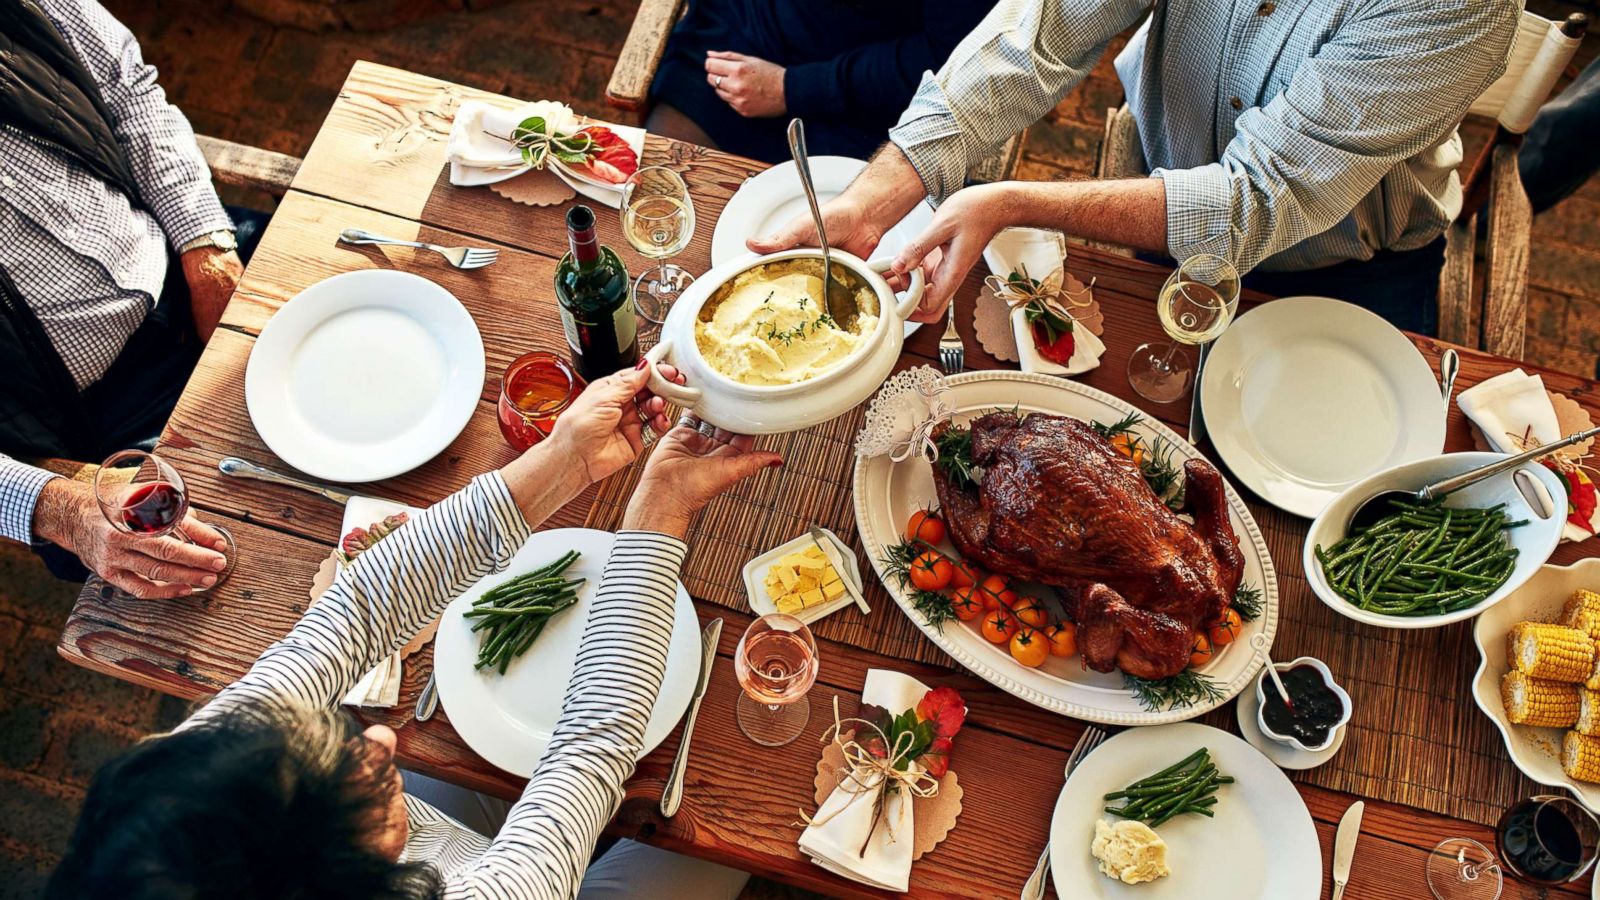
1257 822
1430 565
507 718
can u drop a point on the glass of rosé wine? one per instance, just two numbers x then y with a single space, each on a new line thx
776 664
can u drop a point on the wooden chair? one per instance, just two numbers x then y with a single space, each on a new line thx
629 88
1496 321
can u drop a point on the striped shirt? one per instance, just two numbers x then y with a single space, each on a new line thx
1290 135
392 590
89 265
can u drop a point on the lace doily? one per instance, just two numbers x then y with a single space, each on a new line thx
901 417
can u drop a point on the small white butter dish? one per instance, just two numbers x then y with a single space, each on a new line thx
755 574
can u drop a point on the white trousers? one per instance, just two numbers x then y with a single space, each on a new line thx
629 869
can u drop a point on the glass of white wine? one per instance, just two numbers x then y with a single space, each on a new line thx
658 220
1195 306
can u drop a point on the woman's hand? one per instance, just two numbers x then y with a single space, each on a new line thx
960 230
686 471
751 85
603 430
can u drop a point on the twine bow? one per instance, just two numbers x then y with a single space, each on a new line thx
866 774
921 438
1020 291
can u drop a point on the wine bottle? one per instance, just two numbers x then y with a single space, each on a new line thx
592 289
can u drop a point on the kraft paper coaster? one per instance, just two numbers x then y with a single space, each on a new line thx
991 319
537 187
932 817
329 570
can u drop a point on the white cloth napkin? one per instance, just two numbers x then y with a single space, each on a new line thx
1039 252
481 152
1509 406
847 813
381 686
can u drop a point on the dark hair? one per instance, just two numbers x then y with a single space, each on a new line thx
243 808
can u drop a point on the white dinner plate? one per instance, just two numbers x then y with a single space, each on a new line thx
887 493
1262 842
508 719
1305 396
364 375
773 197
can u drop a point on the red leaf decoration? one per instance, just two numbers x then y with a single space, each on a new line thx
360 539
610 158
937 758
1582 497
944 708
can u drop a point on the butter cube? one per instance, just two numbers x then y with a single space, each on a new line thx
833 590
832 577
789 604
787 576
807 583
774 591
812 597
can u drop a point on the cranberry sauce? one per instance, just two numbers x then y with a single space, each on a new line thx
1316 706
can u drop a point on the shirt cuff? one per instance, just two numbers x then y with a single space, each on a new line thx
933 140
189 214
20 486
1200 215
812 89
660 552
502 508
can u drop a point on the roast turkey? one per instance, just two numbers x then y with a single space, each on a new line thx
1059 505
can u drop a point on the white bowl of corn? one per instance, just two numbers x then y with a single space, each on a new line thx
1539 676
796 578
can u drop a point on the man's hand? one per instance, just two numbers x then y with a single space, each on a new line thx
752 86
960 230
212 275
686 471
150 568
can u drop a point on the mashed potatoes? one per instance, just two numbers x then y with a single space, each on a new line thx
1129 851
772 328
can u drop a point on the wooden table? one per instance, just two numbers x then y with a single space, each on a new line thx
378 163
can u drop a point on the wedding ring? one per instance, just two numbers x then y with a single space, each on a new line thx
707 429
688 420
718 83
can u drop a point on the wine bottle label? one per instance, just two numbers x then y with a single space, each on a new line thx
625 325
570 327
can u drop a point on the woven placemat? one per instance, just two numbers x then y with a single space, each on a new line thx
812 487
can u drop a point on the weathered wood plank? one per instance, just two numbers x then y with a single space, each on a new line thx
1505 293
1458 320
248 167
629 88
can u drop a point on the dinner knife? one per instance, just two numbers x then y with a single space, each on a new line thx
1344 846
1197 421
831 551
241 468
672 792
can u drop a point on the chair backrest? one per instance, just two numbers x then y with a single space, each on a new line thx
1539 53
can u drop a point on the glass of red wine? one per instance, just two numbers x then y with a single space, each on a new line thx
776 664
1548 839
141 493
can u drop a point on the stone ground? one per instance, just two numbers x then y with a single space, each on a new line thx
254 80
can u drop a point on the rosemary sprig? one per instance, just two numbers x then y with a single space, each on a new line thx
1124 425
934 606
1247 602
1154 456
1181 691
955 456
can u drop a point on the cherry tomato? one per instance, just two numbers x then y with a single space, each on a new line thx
1031 612
925 526
930 571
1030 647
1202 653
1225 631
966 604
999 626
995 593
1063 638
966 574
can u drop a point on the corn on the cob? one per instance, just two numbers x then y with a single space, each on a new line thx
1593 682
1551 652
1531 701
1580 756
1588 713
1583 613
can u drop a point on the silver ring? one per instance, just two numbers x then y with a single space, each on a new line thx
688 420
718 83
707 429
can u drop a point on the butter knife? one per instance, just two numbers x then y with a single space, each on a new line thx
831 551
241 468
1344 846
672 792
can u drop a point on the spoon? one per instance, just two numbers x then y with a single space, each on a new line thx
1374 508
1259 642
1449 368
837 302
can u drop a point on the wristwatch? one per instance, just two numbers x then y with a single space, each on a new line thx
222 240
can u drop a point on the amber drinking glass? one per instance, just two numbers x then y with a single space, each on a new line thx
535 390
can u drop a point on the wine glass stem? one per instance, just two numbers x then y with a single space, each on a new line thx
1166 360
661 273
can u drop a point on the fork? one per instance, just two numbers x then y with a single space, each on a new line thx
1090 739
460 257
952 355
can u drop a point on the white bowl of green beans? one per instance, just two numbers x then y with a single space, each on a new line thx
1430 565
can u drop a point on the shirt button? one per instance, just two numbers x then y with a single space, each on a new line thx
1236 103
8 181
1266 9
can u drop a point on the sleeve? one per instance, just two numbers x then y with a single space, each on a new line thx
1384 88
544 846
380 601
20 486
174 181
872 84
1013 68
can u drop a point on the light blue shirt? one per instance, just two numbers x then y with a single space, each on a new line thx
1290 135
